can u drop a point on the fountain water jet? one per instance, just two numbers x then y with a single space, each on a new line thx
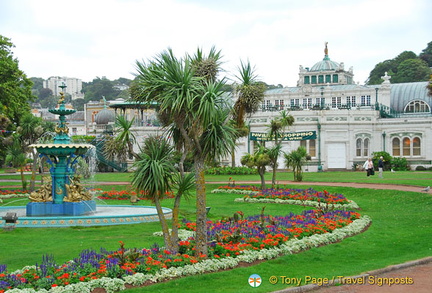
64 195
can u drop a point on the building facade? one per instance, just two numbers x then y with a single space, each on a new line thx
73 86
348 121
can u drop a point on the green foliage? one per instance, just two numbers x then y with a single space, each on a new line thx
295 160
82 138
15 87
386 157
103 87
231 171
399 164
406 67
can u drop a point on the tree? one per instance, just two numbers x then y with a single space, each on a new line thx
296 159
30 131
412 70
125 136
259 159
196 111
426 54
16 156
250 95
276 129
15 87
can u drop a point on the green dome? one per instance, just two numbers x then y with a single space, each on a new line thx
325 65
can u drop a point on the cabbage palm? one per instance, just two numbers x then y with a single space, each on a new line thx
296 159
276 129
259 159
195 111
125 136
250 95
154 175
16 156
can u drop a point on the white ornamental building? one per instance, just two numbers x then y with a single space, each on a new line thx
342 123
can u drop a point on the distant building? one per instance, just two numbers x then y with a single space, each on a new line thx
73 86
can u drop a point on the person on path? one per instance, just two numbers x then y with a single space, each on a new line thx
381 167
368 166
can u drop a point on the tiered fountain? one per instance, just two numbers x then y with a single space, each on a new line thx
64 195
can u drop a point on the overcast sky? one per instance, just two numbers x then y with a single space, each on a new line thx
94 38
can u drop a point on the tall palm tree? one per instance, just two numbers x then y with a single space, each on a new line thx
276 129
194 109
154 175
250 95
296 159
125 136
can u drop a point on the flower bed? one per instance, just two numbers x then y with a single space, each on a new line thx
307 197
127 194
17 193
231 241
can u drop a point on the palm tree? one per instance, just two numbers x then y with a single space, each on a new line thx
154 175
260 159
31 130
296 160
16 156
195 111
250 95
276 128
125 137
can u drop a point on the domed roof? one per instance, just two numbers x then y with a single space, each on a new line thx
325 65
105 116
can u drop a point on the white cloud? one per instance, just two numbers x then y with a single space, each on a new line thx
86 39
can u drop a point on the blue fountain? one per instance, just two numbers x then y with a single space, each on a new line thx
64 195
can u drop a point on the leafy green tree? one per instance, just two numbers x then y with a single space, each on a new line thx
195 110
276 129
124 134
295 160
412 70
260 159
426 54
15 87
98 88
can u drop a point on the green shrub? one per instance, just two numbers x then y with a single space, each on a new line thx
399 164
420 168
231 171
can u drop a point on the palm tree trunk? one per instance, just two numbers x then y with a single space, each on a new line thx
33 175
233 157
175 221
261 171
201 214
167 239
23 181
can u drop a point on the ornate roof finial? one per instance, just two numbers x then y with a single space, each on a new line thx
326 49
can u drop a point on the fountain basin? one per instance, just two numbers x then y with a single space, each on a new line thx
39 209
105 215
52 149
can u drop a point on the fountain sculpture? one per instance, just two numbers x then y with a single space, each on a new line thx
63 194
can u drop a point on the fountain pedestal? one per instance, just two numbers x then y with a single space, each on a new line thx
64 198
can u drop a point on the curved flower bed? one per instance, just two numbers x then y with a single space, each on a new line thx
126 195
232 241
307 197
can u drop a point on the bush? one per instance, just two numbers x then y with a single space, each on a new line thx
231 171
399 164
420 168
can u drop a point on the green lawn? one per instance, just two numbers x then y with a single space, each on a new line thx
400 232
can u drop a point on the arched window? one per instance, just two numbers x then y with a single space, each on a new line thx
396 146
366 147
358 147
362 147
408 148
416 146
417 107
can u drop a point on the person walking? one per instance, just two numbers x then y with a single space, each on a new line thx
368 166
380 167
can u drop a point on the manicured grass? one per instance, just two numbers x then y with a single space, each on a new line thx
400 232
402 178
